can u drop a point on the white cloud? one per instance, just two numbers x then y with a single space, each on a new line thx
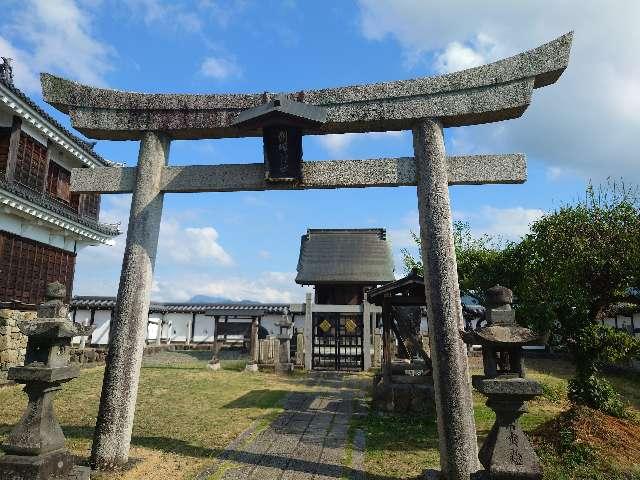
220 68
98 268
500 223
25 76
457 56
556 173
587 122
339 143
255 200
190 16
401 237
189 245
507 223
264 254
171 14
265 287
55 37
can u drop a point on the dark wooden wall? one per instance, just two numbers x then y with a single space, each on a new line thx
26 266
34 170
5 136
339 294
31 165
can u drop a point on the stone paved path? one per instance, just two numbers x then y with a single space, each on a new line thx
307 441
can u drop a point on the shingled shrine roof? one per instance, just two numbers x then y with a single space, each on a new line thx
345 256
278 110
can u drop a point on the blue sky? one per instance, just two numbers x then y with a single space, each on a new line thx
245 245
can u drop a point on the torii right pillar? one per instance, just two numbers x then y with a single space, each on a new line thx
454 402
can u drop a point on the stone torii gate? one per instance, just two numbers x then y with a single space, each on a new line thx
489 93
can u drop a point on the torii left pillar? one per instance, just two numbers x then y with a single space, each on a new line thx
112 435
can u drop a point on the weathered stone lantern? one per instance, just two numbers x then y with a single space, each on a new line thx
283 364
282 122
35 448
507 452
254 347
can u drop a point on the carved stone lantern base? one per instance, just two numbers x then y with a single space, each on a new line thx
251 367
507 453
35 447
283 364
214 365
51 466
284 368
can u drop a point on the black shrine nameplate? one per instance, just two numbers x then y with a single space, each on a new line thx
282 153
282 122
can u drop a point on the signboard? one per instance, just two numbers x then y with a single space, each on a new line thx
282 153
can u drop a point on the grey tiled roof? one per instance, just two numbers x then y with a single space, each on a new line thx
345 256
46 201
106 303
86 146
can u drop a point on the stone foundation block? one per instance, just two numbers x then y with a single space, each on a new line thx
251 367
284 368
214 366
55 465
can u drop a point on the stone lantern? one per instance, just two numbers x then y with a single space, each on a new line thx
283 364
507 452
35 448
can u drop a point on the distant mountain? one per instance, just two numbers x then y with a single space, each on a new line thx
214 299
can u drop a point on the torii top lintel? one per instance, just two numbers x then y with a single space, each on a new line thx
497 91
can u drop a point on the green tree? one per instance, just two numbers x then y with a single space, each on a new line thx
482 261
576 263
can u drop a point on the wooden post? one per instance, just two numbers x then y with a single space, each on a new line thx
254 339
14 143
50 146
386 341
216 319
189 334
92 320
366 334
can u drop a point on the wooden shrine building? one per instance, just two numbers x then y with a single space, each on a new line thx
43 224
342 264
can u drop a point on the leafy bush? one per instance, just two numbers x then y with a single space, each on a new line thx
553 391
596 392
594 346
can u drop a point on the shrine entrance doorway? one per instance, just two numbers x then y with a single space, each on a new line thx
337 342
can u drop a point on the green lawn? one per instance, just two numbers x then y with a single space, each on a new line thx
402 446
185 413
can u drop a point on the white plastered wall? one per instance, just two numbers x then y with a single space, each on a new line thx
101 321
28 229
203 329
